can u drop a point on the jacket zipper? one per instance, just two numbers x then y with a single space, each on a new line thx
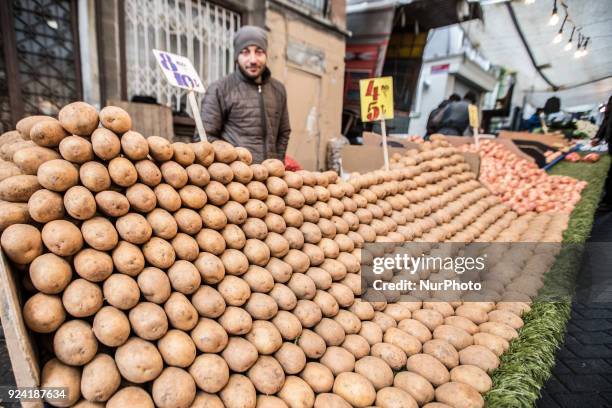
264 124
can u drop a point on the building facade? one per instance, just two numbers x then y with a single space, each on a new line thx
53 52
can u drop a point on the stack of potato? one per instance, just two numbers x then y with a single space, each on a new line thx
183 275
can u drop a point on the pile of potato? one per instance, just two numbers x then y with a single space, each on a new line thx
183 275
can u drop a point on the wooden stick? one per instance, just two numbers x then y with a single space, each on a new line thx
196 115
383 128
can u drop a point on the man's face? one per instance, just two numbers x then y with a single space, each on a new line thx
252 61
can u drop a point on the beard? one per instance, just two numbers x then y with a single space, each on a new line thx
249 74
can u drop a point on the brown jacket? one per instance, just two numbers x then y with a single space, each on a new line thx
244 113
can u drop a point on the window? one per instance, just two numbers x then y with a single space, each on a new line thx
319 6
196 29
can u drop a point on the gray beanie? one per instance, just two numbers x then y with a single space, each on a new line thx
249 35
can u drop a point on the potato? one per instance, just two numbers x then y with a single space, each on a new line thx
130 397
96 387
294 237
61 237
256 208
355 389
224 152
30 158
506 317
267 375
499 329
284 297
204 153
148 173
141 197
211 241
394 356
430 318
496 344
18 188
76 149
480 356
416 385
462 323
128 258
371 332
43 313
209 336
159 253
185 247
255 228
111 327
183 154
276 186
160 149
173 174
115 119
312 344
261 306
330 331
78 118
239 392
275 167
74 343
234 290
287 324
148 321
134 228
235 212
211 268
50 274
8 169
472 376
429 367
291 357
232 235
389 397
112 203
293 217
154 285
198 175
122 172
443 351
181 313
375 370
459 395
234 262
45 206
134 145
221 172
24 125
47 133
213 217
205 400
343 295
188 221
106 145
236 320
326 302
275 223
297 393
121 291
258 191
57 374
320 277
192 197
93 265
21 243
242 173
138 361
239 354
280 270
357 346
173 388
456 336
79 203
210 372
328 400
308 313
338 360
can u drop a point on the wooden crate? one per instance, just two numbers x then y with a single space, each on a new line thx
149 119
20 346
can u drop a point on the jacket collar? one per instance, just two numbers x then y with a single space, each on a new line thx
265 76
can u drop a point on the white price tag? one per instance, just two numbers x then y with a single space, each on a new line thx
179 71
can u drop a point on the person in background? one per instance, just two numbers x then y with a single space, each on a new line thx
534 121
248 107
435 117
605 134
456 118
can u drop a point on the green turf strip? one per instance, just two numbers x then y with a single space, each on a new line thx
526 365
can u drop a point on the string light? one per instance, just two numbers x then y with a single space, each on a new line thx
554 18
559 35
585 52
529 1
569 44
578 52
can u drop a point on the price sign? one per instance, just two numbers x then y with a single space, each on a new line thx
376 95
179 71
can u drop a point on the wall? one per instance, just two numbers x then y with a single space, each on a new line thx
309 59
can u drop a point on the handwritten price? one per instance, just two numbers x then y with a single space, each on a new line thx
377 99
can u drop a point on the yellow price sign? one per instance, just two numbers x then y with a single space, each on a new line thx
376 98
473 112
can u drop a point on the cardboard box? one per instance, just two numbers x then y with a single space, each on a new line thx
554 140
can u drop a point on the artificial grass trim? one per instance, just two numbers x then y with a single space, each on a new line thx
527 364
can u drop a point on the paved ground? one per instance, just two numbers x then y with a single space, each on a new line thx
582 376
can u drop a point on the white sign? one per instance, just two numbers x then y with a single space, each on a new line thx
179 71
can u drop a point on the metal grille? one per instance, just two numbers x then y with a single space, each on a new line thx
196 29
46 55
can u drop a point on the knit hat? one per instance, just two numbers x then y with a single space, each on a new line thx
249 35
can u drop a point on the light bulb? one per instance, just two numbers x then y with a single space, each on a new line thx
554 19
578 53
529 1
568 46
558 38
584 52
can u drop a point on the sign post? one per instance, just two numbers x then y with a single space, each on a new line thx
180 73
376 96
474 123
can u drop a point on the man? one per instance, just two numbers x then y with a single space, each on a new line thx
456 118
248 108
435 117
